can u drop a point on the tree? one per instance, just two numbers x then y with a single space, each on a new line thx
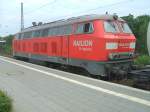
7 48
141 33
139 27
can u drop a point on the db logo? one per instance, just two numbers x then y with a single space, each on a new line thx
83 43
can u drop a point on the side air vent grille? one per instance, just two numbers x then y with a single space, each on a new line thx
36 47
24 47
43 47
18 46
54 47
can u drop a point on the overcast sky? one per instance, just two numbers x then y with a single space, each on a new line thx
49 10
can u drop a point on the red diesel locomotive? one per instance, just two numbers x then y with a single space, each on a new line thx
101 44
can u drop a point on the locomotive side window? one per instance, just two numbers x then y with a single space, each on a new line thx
52 31
27 35
110 27
125 28
17 36
21 36
60 30
37 33
84 28
45 32
68 29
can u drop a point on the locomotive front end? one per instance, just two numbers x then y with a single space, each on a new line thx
120 46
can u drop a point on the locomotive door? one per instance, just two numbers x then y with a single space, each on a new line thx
65 49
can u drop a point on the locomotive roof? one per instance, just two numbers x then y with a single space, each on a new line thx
71 21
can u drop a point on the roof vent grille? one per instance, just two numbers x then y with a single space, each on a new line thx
34 24
40 23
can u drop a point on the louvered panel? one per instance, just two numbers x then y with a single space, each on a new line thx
36 47
54 47
43 47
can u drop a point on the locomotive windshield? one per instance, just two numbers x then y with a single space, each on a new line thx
110 26
116 27
125 28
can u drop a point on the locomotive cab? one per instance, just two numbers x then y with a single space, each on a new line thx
120 46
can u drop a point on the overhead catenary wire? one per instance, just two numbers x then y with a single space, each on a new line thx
99 7
109 5
43 6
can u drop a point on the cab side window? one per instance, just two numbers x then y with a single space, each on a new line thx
79 29
84 28
87 27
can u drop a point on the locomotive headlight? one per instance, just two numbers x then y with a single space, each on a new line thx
111 45
113 55
132 45
131 54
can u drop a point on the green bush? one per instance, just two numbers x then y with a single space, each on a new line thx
142 60
5 102
7 48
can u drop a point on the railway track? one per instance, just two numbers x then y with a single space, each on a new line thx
136 78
